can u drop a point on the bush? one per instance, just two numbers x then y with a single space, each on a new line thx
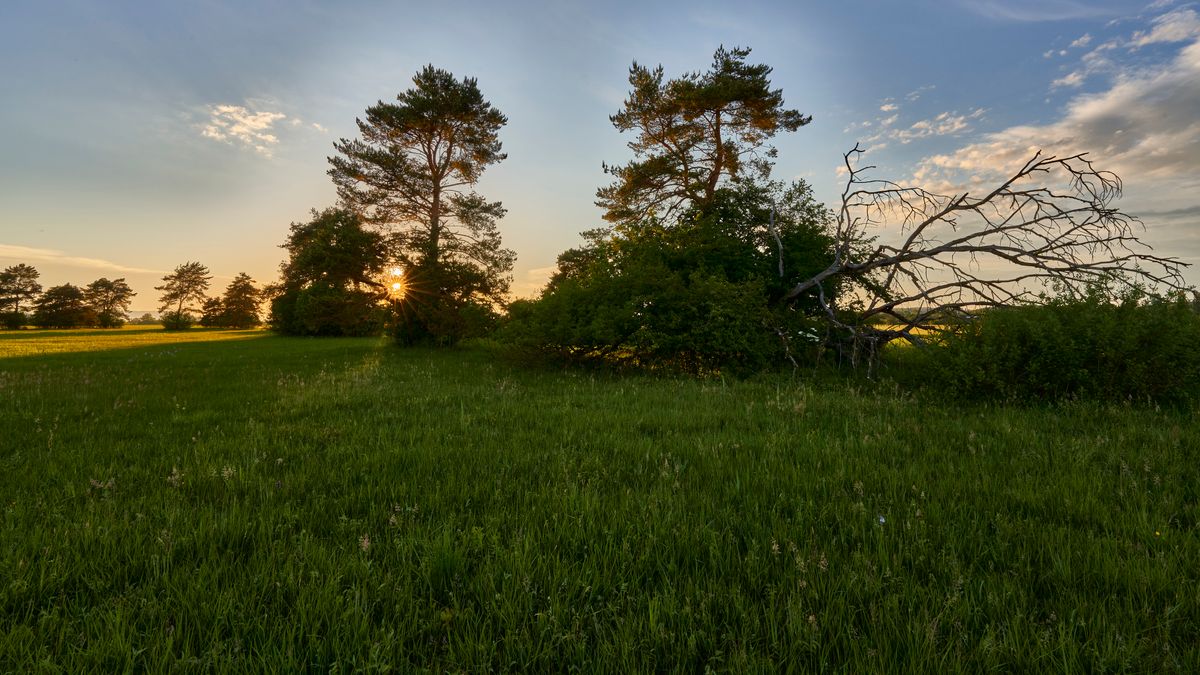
110 319
651 318
146 319
442 323
699 295
178 320
1138 349
13 320
323 310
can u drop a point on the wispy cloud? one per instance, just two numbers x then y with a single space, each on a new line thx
886 129
1143 126
1176 26
1082 41
27 254
919 92
1180 25
1073 79
238 125
1028 11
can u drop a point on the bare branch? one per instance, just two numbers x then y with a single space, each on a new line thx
1049 224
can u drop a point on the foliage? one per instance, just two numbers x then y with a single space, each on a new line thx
412 170
694 132
1137 349
240 303
693 273
329 281
364 508
440 307
700 295
212 313
146 319
237 308
321 309
18 285
109 299
13 320
182 289
177 320
63 306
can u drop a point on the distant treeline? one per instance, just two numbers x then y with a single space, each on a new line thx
104 303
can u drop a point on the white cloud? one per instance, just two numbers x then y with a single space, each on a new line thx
28 254
1073 79
1144 127
944 124
1177 26
916 93
320 128
889 107
1083 41
235 124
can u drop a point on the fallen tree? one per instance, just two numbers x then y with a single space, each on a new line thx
908 258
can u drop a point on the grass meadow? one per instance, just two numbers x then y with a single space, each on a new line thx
214 501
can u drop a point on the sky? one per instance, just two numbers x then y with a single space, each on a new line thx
135 136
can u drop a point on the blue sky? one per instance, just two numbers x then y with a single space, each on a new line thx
136 135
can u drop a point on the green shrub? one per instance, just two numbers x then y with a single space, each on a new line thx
652 318
178 320
701 294
443 322
325 310
1138 349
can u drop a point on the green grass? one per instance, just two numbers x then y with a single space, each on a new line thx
208 505
25 343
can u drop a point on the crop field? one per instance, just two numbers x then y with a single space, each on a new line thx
214 501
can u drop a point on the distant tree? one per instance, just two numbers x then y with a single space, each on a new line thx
146 319
109 299
329 283
693 132
18 285
412 171
212 313
183 288
63 306
239 305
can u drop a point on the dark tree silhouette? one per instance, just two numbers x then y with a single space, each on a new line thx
182 290
330 282
412 172
109 299
18 285
239 305
63 307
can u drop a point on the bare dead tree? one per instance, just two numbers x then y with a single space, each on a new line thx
1050 223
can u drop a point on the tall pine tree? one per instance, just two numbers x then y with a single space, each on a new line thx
413 172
